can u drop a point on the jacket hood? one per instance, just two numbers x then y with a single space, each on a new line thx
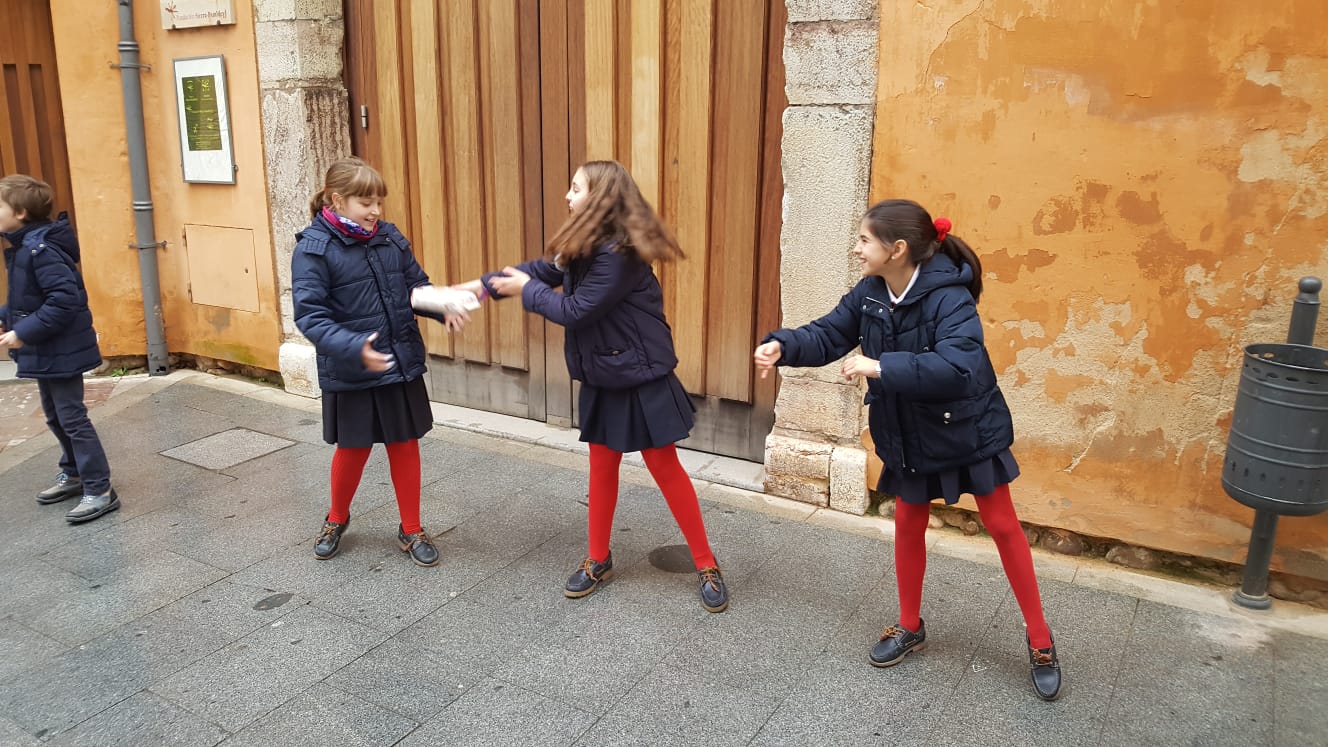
61 234
938 272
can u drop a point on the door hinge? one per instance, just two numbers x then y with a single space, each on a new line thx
364 116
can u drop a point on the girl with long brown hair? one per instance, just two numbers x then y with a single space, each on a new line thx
619 346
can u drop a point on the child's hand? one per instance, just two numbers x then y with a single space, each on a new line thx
374 360
10 340
510 282
456 322
767 355
859 365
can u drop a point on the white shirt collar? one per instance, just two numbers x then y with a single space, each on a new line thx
894 300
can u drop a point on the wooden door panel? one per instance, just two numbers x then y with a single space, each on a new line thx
497 101
32 126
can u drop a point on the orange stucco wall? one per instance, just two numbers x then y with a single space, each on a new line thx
1144 182
86 35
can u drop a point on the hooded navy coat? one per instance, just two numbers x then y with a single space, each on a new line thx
344 290
937 405
47 304
612 309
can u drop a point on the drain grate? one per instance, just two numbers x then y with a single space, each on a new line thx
227 449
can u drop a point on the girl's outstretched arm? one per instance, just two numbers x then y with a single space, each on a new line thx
609 279
827 339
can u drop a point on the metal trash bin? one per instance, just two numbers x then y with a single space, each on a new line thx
1277 451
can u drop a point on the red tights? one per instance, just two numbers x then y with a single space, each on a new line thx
997 512
673 482
403 458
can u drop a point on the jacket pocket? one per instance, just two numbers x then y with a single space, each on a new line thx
948 431
615 368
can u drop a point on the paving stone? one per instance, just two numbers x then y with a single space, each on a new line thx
227 449
408 679
119 598
240 683
88 679
234 609
1300 690
959 598
503 715
671 706
1216 687
599 651
839 702
13 735
995 702
322 716
141 719
22 649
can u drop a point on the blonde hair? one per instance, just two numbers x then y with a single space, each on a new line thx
348 177
616 211
32 196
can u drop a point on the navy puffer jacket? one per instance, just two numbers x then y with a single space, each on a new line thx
612 309
937 405
344 290
47 304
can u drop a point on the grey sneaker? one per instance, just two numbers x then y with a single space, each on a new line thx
65 487
93 507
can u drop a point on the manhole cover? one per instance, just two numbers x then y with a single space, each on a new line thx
673 559
227 449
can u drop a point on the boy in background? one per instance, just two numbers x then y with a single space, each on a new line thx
47 326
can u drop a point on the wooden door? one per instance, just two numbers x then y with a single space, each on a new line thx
32 126
484 118
444 101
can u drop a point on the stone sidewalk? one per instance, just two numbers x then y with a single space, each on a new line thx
197 614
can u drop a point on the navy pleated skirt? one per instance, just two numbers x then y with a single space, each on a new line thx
655 414
977 479
381 415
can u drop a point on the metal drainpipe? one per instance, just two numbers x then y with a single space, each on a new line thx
145 237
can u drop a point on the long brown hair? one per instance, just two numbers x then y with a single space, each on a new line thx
892 220
348 177
614 211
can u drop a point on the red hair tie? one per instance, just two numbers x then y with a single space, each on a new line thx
943 227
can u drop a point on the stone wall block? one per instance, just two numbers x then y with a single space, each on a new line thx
291 10
303 131
297 52
830 62
848 490
797 457
299 369
815 492
829 411
831 10
827 168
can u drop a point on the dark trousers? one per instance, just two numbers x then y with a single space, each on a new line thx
67 417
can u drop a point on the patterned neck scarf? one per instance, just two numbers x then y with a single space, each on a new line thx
347 226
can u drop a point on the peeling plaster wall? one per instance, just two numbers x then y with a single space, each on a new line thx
1144 182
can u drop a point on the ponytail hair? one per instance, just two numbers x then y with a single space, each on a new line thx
347 177
892 220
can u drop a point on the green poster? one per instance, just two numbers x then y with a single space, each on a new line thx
201 119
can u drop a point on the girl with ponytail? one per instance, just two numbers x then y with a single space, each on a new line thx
937 416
